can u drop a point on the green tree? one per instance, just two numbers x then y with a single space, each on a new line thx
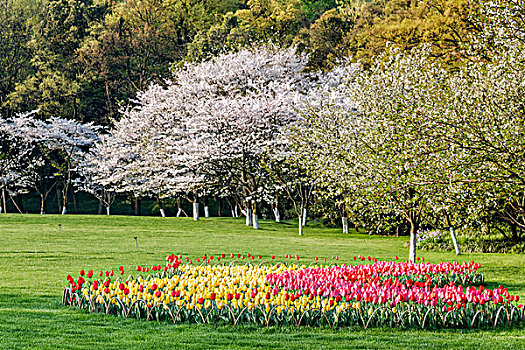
57 85
15 51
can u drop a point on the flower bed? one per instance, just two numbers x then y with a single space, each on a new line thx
392 294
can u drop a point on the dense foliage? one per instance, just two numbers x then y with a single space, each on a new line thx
80 59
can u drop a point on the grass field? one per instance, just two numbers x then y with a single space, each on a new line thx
36 255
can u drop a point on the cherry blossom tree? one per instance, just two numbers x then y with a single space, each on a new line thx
62 142
16 159
213 121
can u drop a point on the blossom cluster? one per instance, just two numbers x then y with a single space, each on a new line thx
401 294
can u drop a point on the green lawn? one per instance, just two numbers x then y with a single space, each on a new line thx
35 257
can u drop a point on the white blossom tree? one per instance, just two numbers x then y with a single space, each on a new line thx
62 142
18 159
212 121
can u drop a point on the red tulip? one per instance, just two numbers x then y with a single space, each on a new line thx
158 294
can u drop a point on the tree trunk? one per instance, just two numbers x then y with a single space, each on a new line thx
305 216
59 205
248 213
413 233
20 201
161 209
300 226
138 208
179 208
454 240
64 199
277 214
42 204
14 204
255 220
4 200
108 210
344 219
206 208
195 211
100 207
3 207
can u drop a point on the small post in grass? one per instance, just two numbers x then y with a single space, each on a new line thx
135 242
60 227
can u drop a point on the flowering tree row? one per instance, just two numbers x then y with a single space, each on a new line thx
406 141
